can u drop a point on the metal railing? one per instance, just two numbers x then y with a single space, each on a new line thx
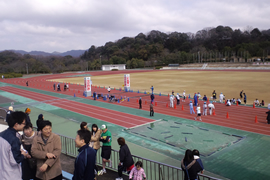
154 170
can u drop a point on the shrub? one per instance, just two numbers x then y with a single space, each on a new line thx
12 75
159 67
114 69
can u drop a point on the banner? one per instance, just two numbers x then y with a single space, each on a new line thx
127 80
87 84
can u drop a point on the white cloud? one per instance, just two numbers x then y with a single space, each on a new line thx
61 25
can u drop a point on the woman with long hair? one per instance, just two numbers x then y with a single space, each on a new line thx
94 142
190 166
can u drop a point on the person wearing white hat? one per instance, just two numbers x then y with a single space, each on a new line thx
106 138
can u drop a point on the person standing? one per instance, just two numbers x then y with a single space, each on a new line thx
54 86
152 98
268 117
191 110
190 166
140 103
39 121
106 138
221 96
178 99
151 109
245 98
196 156
26 83
152 88
204 109
29 166
241 92
126 161
211 107
46 148
27 112
85 161
195 99
109 89
184 96
198 113
94 142
214 94
10 148
171 101
94 95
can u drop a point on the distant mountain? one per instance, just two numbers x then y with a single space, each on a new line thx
73 53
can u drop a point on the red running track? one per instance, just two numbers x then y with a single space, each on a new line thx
115 117
241 117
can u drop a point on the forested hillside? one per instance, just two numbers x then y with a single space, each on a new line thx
152 49
161 48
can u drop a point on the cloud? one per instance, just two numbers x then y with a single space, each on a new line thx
61 25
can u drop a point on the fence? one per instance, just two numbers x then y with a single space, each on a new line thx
154 170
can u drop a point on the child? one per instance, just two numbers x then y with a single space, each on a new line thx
191 108
137 172
198 113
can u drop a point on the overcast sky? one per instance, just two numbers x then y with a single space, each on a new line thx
62 25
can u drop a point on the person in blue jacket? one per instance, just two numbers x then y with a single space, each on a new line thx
195 99
85 161
152 88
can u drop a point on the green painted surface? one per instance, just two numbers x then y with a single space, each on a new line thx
247 159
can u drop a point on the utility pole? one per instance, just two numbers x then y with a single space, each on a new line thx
27 68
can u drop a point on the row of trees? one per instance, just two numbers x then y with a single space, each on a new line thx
217 43
152 49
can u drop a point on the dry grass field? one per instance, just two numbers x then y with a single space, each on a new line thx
230 83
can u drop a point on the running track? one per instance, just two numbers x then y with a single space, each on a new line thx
115 117
241 117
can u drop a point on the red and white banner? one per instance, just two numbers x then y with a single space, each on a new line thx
127 80
87 84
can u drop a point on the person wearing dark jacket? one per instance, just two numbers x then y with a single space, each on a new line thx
140 103
85 161
126 160
268 117
190 166
27 112
10 110
39 121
